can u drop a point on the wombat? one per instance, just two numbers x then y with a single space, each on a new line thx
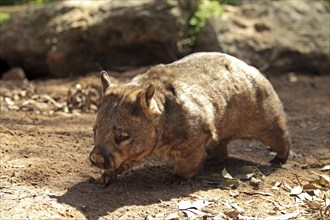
185 112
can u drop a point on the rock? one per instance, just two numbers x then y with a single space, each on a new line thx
14 74
273 36
74 37
292 77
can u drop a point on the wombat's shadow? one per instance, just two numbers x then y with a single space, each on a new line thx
141 187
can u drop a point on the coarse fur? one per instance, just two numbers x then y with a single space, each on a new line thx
186 111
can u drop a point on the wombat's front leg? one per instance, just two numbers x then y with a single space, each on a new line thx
109 176
189 162
217 152
278 139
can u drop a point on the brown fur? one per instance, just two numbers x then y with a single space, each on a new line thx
186 110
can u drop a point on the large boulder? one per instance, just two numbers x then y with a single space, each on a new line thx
274 36
74 37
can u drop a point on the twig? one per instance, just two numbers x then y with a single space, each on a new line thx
24 197
298 179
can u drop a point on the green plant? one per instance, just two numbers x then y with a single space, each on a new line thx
3 17
18 2
232 2
205 10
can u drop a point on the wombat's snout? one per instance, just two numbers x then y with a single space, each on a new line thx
99 160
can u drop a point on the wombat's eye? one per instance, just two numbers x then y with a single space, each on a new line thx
123 137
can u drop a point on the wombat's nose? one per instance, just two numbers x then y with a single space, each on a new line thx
99 160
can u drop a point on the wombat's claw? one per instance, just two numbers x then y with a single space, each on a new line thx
277 161
107 178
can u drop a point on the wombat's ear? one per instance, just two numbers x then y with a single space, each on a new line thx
105 79
147 102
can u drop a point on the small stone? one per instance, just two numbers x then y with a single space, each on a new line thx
292 77
14 74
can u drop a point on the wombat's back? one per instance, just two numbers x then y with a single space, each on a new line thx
219 92
205 73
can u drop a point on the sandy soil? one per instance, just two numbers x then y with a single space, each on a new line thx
45 172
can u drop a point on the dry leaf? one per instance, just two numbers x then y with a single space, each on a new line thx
325 168
276 185
242 217
226 203
324 180
287 187
284 217
229 183
317 192
196 204
327 210
313 205
250 169
326 201
214 179
255 180
278 203
296 190
247 172
172 216
193 214
237 207
265 193
305 196
244 176
310 186
225 174
9 101
249 201
164 216
232 214
234 193
219 216
28 99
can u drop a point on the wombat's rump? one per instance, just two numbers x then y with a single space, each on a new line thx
186 111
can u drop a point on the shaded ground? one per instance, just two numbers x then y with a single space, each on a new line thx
45 172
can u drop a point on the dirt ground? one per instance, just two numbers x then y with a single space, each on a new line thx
45 172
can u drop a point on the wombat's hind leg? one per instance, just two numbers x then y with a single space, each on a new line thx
277 138
217 153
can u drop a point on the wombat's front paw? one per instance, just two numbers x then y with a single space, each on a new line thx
175 180
108 177
278 161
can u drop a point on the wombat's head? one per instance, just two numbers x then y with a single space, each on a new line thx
124 130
